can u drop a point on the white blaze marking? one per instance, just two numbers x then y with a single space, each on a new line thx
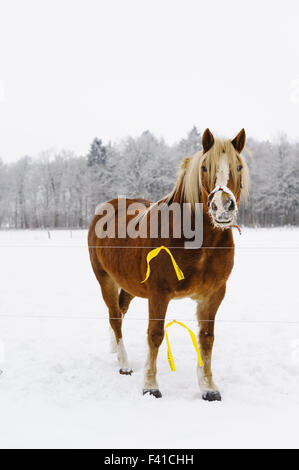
221 211
222 176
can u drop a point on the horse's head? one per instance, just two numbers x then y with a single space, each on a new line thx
224 177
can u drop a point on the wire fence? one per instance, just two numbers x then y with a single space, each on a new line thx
78 235
85 247
79 317
56 244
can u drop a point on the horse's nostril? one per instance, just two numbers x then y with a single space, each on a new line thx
231 206
214 207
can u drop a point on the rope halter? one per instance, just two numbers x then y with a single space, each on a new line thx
226 190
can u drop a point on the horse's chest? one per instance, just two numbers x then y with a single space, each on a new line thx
215 265
208 274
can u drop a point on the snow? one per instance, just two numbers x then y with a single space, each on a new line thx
60 386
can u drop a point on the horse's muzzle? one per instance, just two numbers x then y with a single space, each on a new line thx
223 207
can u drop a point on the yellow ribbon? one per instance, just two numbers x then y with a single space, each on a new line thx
169 353
152 254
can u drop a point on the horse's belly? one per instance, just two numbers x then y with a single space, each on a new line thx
123 266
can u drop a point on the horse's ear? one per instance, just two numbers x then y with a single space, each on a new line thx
239 141
207 140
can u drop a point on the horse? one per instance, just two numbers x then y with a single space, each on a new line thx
217 178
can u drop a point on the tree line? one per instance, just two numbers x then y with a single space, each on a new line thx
62 190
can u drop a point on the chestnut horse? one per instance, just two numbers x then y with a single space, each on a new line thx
216 177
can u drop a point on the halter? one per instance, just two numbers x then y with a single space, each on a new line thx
225 189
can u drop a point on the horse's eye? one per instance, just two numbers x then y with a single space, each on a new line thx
204 169
239 167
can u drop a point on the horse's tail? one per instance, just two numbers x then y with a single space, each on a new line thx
92 248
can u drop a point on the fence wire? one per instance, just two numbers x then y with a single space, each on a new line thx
78 317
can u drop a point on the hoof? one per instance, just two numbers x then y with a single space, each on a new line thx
212 396
125 371
155 393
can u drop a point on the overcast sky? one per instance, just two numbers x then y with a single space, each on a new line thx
71 70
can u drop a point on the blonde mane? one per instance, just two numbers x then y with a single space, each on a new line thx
189 178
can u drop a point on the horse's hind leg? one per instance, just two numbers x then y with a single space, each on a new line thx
111 298
124 301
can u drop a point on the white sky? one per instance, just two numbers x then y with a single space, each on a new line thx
71 70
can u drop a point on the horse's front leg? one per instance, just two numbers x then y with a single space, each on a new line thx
157 311
206 312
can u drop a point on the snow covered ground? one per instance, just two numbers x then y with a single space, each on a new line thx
60 386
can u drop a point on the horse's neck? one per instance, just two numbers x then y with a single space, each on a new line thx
211 235
214 237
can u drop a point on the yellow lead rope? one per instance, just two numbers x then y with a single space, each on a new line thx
152 254
193 339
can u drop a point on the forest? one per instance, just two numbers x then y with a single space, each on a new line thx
59 189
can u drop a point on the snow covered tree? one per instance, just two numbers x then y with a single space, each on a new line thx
60 189
192 143
97 153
